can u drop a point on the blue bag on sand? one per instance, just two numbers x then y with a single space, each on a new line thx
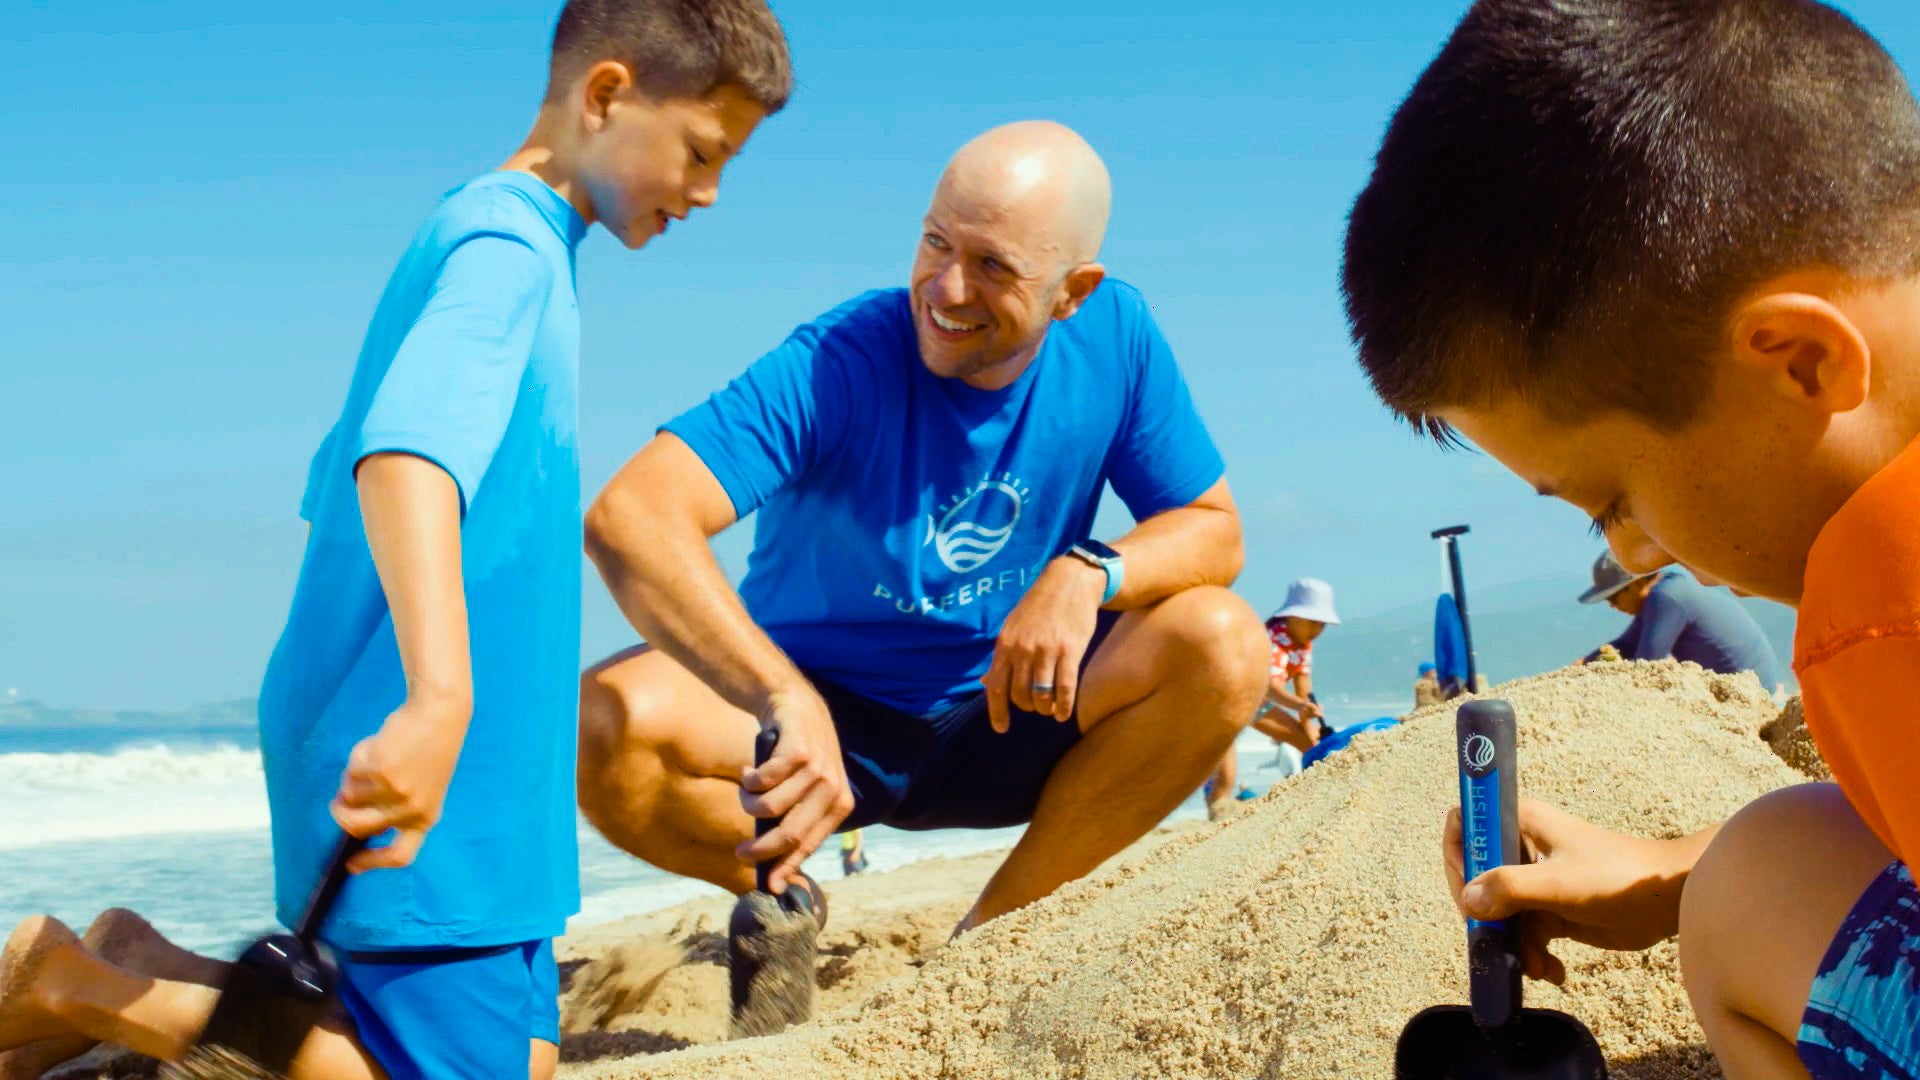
1337 740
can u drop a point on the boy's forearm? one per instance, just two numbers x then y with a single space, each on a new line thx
410 508
1677 856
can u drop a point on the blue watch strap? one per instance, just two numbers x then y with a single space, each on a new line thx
1108 560
1116 573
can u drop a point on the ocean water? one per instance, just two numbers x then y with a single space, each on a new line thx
172 822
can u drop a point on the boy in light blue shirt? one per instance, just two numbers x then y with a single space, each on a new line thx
426 682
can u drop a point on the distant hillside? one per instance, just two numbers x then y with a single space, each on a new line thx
1519 629
34 714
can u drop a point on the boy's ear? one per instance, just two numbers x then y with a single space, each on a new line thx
1807 348
1079 284
603 83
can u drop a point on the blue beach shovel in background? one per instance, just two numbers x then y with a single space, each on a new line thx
1494 1038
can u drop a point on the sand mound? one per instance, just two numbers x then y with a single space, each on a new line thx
1295 940
1789 737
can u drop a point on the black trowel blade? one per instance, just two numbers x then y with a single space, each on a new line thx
1444 1043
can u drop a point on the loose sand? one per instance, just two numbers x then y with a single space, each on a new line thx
1789 737
1292 940
1297 938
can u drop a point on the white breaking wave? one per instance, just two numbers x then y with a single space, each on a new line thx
136 791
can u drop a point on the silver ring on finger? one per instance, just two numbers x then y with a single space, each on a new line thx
1042 689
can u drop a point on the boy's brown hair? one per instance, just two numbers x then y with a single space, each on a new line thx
1576 192
677 48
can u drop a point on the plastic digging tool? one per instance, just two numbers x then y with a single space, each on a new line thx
1494 1038
274 995
1453 634
771 942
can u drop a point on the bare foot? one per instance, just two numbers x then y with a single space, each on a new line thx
24 1013
123 938
117 936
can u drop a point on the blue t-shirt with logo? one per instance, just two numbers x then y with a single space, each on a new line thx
901 515
471 362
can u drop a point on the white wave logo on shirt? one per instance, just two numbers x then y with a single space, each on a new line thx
978 524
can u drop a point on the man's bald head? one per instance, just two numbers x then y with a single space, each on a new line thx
1041 173
1008 246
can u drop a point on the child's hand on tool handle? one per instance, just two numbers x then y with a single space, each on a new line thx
804 784
397 779
1601 888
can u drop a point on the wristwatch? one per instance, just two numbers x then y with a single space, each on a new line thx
1095 553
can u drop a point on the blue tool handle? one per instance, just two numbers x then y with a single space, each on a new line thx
1490 835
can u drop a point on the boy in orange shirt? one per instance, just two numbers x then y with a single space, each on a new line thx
1662 260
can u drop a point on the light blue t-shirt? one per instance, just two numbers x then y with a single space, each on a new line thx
471 362
902 515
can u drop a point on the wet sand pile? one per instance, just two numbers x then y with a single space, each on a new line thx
1296 939
1789 737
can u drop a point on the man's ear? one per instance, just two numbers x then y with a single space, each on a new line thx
599 87
1079 284
1805 347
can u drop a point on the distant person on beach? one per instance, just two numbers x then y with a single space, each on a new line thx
424 690
927 618
1675 616
1666 271
1426 686
1289 714
853 855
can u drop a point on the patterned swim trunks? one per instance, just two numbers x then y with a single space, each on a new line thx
1863 1016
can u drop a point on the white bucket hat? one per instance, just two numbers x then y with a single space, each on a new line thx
1309 598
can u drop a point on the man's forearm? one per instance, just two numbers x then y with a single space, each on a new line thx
662 573
1177 550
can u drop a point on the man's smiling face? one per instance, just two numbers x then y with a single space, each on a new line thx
983 290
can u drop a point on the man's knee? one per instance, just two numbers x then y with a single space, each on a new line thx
1215 633
619 732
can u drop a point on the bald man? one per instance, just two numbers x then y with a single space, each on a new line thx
927 618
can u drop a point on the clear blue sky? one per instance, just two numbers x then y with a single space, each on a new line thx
204 199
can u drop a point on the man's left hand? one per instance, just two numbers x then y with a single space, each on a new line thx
1036 660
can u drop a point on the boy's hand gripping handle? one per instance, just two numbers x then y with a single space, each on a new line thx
1490 833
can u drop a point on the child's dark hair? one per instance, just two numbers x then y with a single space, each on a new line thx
1576 192
677 48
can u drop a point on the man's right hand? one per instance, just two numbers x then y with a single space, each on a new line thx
804 783
1598 887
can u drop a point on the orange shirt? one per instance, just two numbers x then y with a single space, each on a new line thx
1856 649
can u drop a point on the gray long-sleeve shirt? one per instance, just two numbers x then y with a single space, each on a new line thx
1687 621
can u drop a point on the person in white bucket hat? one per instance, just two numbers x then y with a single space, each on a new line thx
1289 715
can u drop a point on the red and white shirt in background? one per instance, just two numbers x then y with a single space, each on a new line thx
1287 660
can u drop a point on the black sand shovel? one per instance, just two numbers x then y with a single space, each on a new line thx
274 995
1494 1038
771 942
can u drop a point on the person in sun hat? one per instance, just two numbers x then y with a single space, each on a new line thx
1675 616
1289 714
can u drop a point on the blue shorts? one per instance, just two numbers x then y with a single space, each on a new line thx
453 1014
1863 1015
948 769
